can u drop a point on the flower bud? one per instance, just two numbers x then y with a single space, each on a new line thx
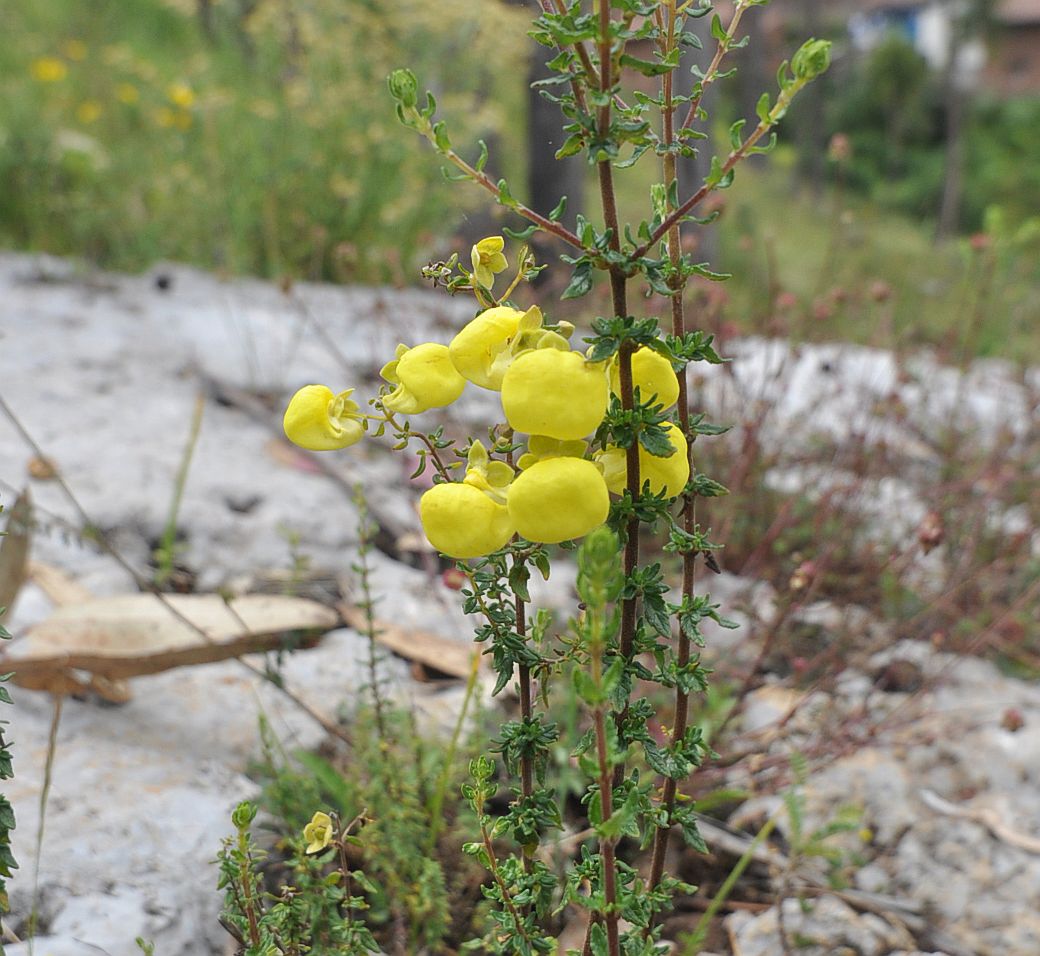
318 420
812 59
404 87
558 499
556 393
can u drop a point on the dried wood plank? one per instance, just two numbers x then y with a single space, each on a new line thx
431 650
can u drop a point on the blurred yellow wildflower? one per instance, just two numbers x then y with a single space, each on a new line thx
425 378
127 93
89 111
664 474
652 374
469 519
165 117
318 833
558 499
48 69
319 420
487 259
553 392
182 119
181 95
75 50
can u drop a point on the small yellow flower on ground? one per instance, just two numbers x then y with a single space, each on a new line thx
89 111
555 393
319 420
480 351
127 93
652 374
469 519
664 474
318 833
48 69
424 377
558 499
181 95
75 50
487 259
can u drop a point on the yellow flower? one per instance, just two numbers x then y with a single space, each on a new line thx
556 393
181 95
425 378
89 111
165 117
48 69
480 351
127 93
558 499
321 421
664 474
542 448
318 833
469 518
182 119
487 259
75 50
652 374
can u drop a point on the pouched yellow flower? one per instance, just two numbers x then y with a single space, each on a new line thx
462 521
664 474
425 378
48 69
558 499
542 448
127 93
487 259
318 833
490 477
181 95
652 374
319 420
555 393
480 351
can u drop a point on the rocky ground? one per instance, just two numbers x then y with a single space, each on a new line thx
939 754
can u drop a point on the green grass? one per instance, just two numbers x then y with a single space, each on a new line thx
269 147
833 266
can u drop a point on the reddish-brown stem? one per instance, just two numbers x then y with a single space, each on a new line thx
713 68
682 698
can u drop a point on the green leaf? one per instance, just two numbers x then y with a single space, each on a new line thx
440 136
598 940
581 281
718 31
572 145
762 108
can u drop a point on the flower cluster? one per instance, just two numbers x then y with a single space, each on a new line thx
560 488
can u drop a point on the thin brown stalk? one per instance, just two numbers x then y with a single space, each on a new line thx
713 68
681 709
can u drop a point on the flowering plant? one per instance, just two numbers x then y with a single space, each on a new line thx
594 442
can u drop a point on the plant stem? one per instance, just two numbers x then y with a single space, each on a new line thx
482 179
168 544
682 698
619 302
